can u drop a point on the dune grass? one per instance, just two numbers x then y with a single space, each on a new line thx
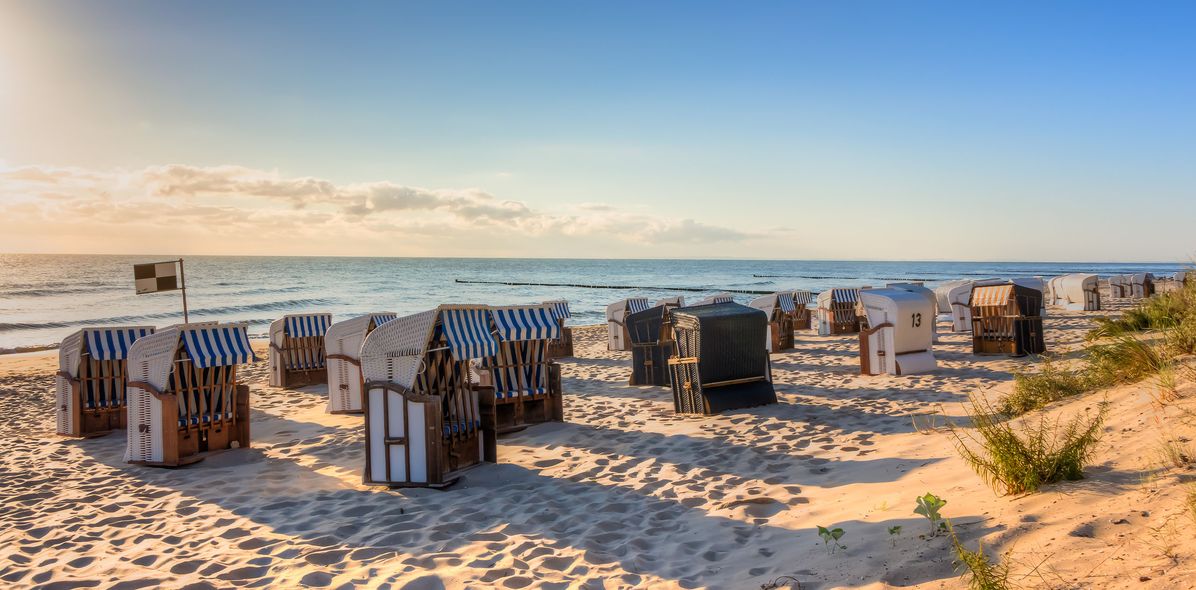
1019 459
982 573
1145 341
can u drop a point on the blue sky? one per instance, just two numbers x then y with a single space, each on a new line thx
776 130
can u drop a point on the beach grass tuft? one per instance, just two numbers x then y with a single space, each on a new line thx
1015 459
982 572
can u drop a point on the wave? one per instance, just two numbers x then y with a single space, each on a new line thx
202 313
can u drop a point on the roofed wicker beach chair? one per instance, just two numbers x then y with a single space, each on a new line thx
1036 283
526 381
1005 320
927 294
801 309
90 384
898 335
616 317
837 312
184 399
1119 286
717 298
719 361
958 296
425 421
562 346
651 345
343 343
780 310
297 349
1141 285
1076 292
672 302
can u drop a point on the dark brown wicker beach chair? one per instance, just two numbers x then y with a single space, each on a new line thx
719 359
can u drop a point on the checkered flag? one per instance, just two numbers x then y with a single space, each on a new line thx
156 276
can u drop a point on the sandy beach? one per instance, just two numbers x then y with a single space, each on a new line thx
623 494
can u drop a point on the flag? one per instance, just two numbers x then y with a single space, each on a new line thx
155 277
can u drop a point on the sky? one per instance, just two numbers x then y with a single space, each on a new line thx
1061 131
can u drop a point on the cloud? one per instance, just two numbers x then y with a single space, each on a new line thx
290 211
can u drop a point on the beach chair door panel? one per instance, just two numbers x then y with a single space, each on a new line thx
398 438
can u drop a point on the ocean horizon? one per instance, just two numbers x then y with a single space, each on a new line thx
44 297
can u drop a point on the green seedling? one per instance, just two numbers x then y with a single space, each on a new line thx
830 538
894 532
929 506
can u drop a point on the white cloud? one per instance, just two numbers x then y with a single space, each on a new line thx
305 214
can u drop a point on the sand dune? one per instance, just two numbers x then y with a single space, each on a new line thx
624 494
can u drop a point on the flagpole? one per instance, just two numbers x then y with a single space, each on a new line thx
183 288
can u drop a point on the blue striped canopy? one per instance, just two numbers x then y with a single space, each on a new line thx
802 297
560 309
637 304
785 300
311 324
219 345
468 333
525 323
382 318
845 295
106 344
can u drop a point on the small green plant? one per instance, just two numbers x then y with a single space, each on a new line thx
830 538
1032 391
894 532
982 573
1018 460
928 506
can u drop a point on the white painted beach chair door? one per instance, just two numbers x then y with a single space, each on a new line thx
397 436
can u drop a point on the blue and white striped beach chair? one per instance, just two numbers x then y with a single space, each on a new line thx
184 399
297 349
425 420
90 384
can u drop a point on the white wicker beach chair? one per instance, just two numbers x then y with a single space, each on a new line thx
899 336
1141 285
837 311
184 400
343 342
717 298
1076 292
616 316
297 349
927 294
780 309
425 420
671 302
90 384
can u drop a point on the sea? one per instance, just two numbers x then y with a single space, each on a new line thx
46 297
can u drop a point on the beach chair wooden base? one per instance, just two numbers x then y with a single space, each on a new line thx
188 445
100 423
517 413
563 346
304 378
781 335
1021 337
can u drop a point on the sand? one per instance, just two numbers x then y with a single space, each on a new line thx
624 494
